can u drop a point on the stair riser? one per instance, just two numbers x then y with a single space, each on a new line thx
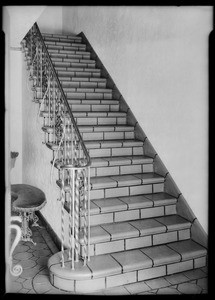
94 107
65 43
137 242
68 56
83 84
100 121
105 282
83 74
62 38
87 93
112 152
134 214
72 47
126 191
90 136
74 64
121 170
64 60
69 52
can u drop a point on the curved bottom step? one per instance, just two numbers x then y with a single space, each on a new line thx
116 269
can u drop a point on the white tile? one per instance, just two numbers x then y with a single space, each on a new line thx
121 279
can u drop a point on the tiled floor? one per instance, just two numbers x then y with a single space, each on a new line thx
35 280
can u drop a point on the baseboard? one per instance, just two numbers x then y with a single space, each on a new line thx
49 229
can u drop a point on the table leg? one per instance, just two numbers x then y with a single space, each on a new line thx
35 219
26 231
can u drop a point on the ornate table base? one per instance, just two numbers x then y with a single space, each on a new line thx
26 231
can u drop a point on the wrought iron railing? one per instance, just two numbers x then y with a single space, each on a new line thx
63 137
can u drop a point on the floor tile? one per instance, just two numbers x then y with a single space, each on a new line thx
161 254
151 292
203 283
42 261
168 290
23 256
26 264
14 287
157 283
28 284
23 291
137 287
41 279
189 288
30 273
176 278
121 290
31 291
132 260
21 248
120 230
194 274
42 252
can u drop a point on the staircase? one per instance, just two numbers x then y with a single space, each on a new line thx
136 232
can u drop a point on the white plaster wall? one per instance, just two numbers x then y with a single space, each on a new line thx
37 157
50 21
158 58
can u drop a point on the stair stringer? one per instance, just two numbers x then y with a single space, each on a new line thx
182 207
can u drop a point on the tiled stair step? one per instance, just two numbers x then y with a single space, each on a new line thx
61 37
72 46
103 211
66 60
112 148
70 56
93 105
106 132
120 165
80 83
88 93
85 54
125 185
64 43
70 64
116 269
122 185
70 80
126 235
96 73
100 118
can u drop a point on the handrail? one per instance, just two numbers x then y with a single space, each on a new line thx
64 97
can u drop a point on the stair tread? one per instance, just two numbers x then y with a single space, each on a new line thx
125 261
95 128
124 203
61 35
65 79
119 160
131 202
112 143
124 180
141 227
81 114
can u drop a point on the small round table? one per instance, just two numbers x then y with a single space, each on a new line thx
27 199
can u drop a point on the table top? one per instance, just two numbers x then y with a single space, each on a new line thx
26 198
